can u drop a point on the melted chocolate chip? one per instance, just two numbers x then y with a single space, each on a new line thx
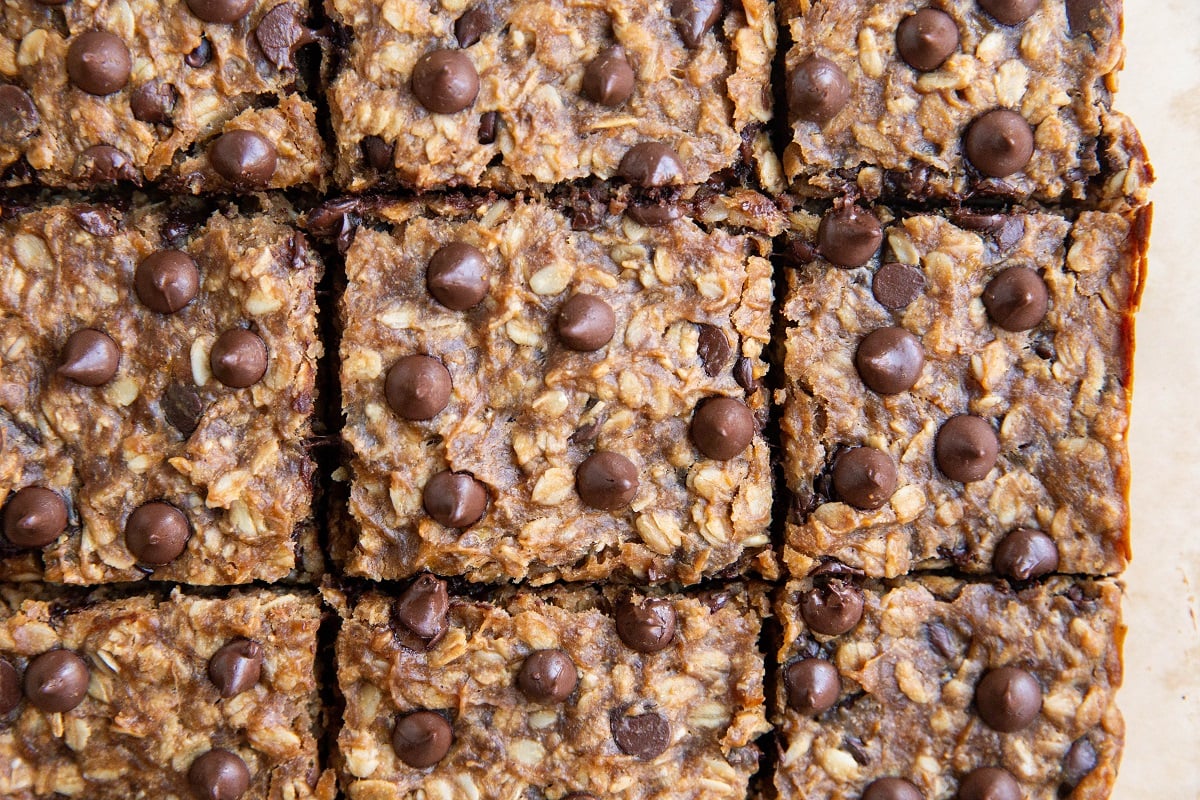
989 783
90 358
458 276
608 78
1010 12
223 11
57 681
422 739
585 323
10 688
201 55
1008 699
18 115
966 448
817 90
653 213
34 517
472 25
890 360
895 285
236 667
103 164
219 774
1097 18
645 736
96 220
455 499
489 124
1017 299
606 481
182 407
712 346
1080 760
743 373
849 236
445 81
423 607
651 165
999 143
418 387
1006 229
941 639
695 18
813 686
379 154
238 358
647 626
244 158
865 478
892 789
166 281
548 676
156 533
1025 554
154 102
832 608
281 32
927 38
98 62
722 428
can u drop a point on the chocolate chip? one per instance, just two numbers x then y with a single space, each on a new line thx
1025 554
153 102
103 164
1010 12
98 62
10 688
236 667
889 360
182 407
897 285
90 358
472 25
647 626
445 81
999 143
458 276
812 684
156 533
966 448
224 11
281 32
34 517
927 38
989 783
1008 699
244 158
548 676
1099 18
645 736
57 681
580 796
1080 760
865 478
455 499
832 608
422 739
941 639
608 78
695 18
712 346
849 236
201 55
891 789
653 213
817 90
219 774
606 481
98 221
379 154
423 607
1006 229
585 323
418 387
1017 299
238 358
489 123
743 373
722 428
166 281
18 115
651 165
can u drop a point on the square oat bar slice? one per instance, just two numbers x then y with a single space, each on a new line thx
555 693
203 95
937 688
512 93
158 392
528 401
961 399
904 99
144 696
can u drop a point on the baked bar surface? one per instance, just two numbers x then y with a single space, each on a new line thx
539 694
1051 392
535 93
146 687
910 690
862 117
492 481
110 91
223 470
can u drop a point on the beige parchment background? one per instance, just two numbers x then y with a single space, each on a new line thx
1161 700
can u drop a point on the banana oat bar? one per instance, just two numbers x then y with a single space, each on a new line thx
512 93
911 99
960 398
935 688
525 400
201 95
158 388
556 693
186 696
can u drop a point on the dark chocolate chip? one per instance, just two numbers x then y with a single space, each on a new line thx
103 164
581 796
849 236
695 18
585 323
236 667
224 11
891 788
238 358
1017 299
653 214
18 115
651 165
548 676
927 38
166 281
889 360
813 686
182 407
34 517
10 687
489 124
1008 699
865 478
897 285
647 626
422 739
472 25
999 143
418 387
606 481
722 428
1006 229
281 32
989 783
379 154
219 774
458 276
743 373
96 220
243 158
455 499
57 681
941 639
1010 12
98 62
445 81
1098 18
832 608
1080 760
156 533
966 448
90 357
423 607
645 736
712 345
153 102
817 90
608 78
1024 554
201 55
